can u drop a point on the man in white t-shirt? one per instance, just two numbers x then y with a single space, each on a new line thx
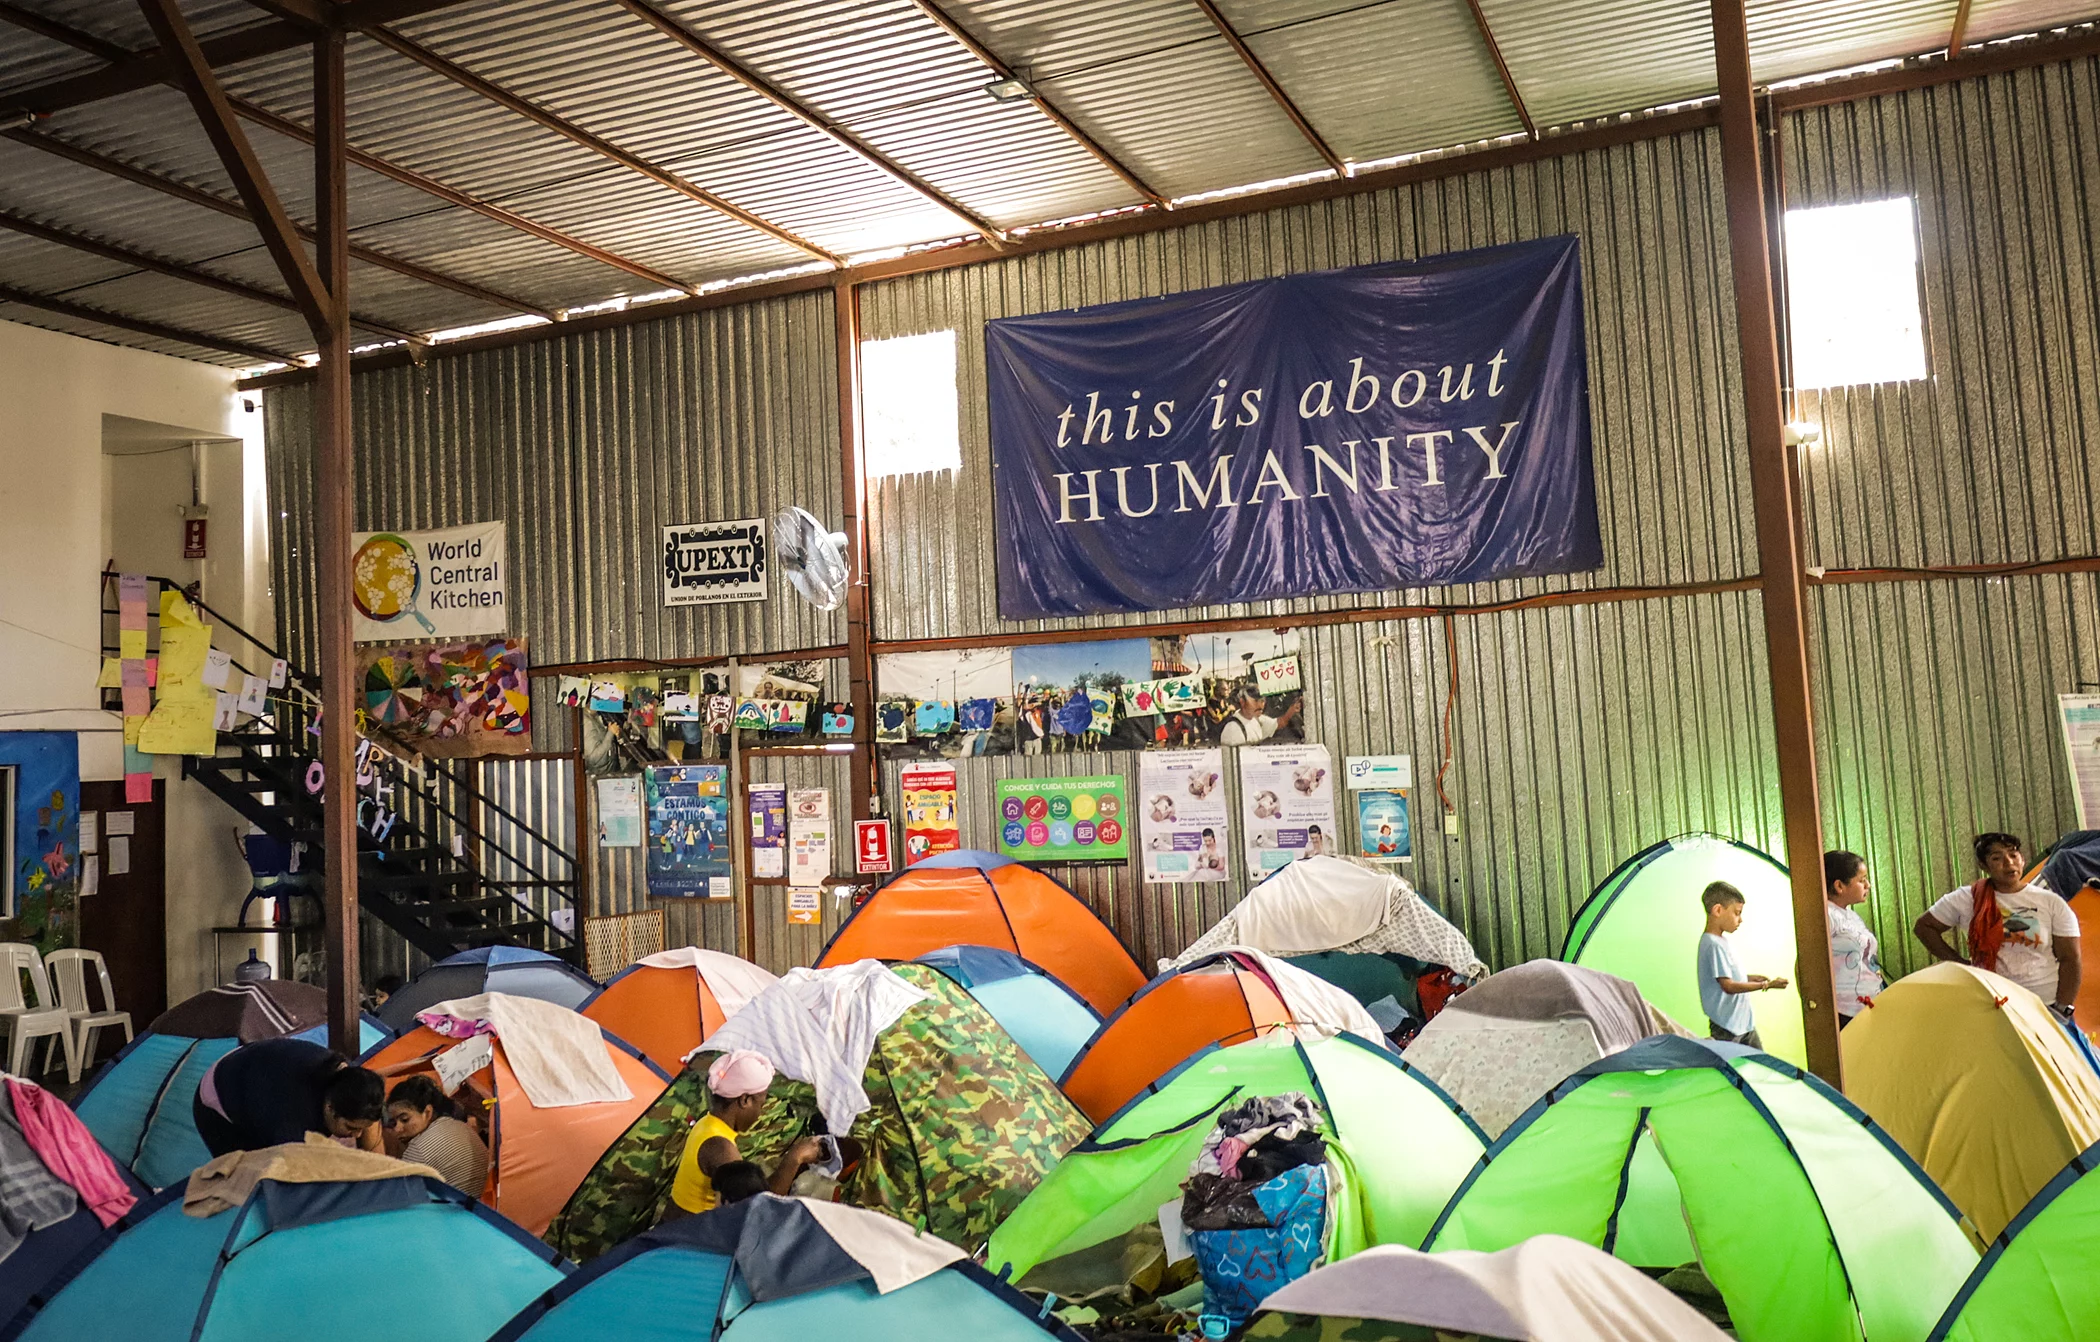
1252 725
2027 934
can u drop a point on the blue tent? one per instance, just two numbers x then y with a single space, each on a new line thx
773 1269
1049 1021
44 1253
138 1104
406 1254
488 969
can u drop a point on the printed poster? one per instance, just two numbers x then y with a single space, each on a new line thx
1287 795
929 811
688 813
1382 832
619 813
805 904
2080 714
1187 831
809 837
416 585
451 700
1062 819
768 807
708 563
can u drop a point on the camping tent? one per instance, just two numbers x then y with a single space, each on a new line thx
1403 1146
138 1104
536 1156
2037 1283
296 1257
1643 923
1048 1020
488 969
45 1250
1326 904
980 899
666 1004
1517 1034
1807 1219
1548 1289
961 1125
1220 999
773 1269
1973 1076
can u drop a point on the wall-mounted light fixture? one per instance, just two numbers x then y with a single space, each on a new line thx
1012 89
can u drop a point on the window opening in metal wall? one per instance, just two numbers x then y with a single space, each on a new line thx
909 407
1852 294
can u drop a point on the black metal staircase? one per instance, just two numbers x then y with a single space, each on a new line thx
424 856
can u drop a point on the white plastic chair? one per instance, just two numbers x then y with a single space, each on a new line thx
29 1021
69 974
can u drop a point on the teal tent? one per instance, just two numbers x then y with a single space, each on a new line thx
1049 1021
1643 923
363 1259
1808 1219
2038 1283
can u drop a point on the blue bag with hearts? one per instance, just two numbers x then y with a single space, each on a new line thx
1242 1267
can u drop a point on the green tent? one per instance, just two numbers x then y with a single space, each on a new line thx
2038 1282
1643 923
961 1126
1808 1219
1399 1146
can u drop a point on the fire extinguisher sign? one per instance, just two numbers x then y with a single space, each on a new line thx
871 847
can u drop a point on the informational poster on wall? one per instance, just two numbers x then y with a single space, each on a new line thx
805 904
1287 801
1187 831
768 806
1063 819
1379 784
709 563
688 813
809 837
2080 714
929 811
416 585
619 813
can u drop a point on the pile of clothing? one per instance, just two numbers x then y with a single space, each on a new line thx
1255 1204
50 1166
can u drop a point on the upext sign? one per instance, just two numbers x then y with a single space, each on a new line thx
710 563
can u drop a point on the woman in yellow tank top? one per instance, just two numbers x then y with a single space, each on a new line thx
736 1088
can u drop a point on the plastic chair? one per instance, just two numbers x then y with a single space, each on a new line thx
69 974
29 1021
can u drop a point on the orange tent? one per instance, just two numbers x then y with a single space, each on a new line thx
663 1012
537 1157
2086 905
982 899
1217 1000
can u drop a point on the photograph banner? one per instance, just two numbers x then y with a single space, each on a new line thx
711 563
447 583
1187 833
1409 424
688 814
1287 801
1063 819
453 699
929 811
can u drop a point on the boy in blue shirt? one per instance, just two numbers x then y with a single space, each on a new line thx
1722 982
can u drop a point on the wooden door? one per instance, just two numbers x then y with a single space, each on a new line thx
127 917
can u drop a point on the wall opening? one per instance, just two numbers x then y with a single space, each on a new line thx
1853 306
910 417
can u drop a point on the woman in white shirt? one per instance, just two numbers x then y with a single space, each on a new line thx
1855 956
2012 928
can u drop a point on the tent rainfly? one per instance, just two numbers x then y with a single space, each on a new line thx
2037 1283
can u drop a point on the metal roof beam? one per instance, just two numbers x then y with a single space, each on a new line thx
61 33
837 132
139 326
1509 83
237 156
1268 81
79 242
87 158
597 144
1002 70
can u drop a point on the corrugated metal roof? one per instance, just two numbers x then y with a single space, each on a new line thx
1152 82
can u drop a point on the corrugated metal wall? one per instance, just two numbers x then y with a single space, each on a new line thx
1579 733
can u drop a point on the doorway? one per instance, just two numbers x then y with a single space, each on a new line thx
126 917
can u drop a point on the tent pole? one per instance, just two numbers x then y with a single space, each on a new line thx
1774 486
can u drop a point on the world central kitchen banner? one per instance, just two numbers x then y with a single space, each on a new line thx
1403 425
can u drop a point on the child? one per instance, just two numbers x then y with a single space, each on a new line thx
1721 979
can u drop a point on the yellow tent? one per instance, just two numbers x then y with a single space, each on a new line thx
1973 1077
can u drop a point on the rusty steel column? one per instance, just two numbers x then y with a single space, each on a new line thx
853 487
1774 486
332 507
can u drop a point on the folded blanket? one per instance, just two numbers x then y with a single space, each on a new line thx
227 1182
559 1057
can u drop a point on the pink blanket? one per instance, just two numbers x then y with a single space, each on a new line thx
69 1151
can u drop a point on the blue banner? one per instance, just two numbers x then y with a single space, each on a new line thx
1403 425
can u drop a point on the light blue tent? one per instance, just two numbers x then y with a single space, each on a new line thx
1049 1021
406 1255
488 969
138 1105
773 1269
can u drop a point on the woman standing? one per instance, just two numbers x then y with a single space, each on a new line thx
1855 956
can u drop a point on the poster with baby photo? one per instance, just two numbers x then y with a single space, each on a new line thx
1181 814
1287 801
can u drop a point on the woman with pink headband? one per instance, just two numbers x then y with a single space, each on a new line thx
736 1090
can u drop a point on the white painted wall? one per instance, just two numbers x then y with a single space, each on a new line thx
67 509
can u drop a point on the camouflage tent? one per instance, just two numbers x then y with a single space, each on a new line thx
961 1126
